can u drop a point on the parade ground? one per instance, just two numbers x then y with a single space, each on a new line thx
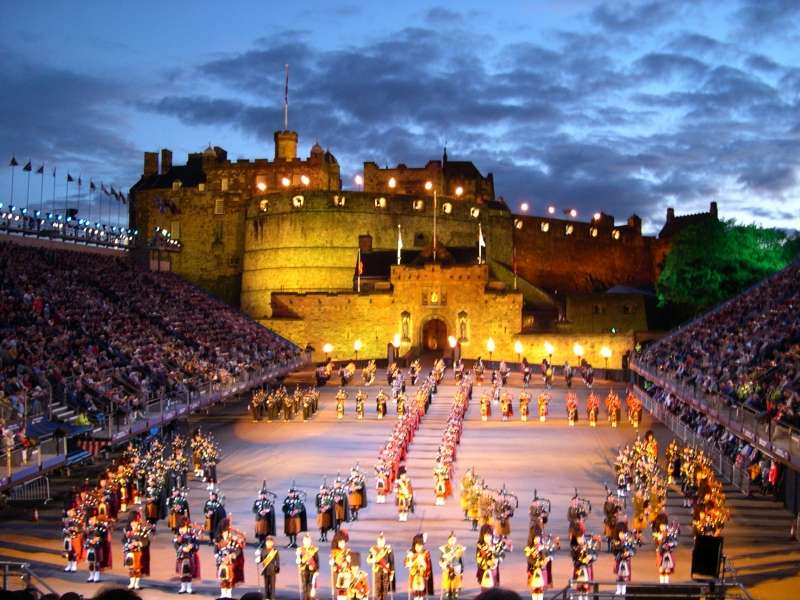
551 459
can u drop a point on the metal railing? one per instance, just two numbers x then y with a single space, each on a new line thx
606 590
776 439
36 490
21 574
52 226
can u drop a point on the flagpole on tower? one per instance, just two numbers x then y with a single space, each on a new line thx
40 171
399 243
13 164
286 99
27 168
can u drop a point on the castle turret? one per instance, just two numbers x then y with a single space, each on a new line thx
166 160
713 210
285 145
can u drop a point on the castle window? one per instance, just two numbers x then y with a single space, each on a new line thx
599 309
447 208
474 212
264 205
261 184
339 200
223 184
380 202
615 234
219 206
201 187
518 223
463 327
177 184
593 231
418 204
545 226
419 239
569 229
298 201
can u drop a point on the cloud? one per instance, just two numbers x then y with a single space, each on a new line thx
665 66
757 18
627 17
439 15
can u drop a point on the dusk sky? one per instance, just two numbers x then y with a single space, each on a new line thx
616 106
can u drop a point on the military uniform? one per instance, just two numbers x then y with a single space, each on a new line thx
381 557
268 562
264 511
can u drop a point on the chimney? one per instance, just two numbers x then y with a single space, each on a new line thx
670 214
635 223
150 163
713 210
166 160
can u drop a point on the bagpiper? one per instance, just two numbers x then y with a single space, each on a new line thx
572 408
98 548
666 540
583 550
341 398
360 399
73 539
341 505
623 548
489 553
505 505
381 557
451 561
544 406
466 484
136 550
264 511
568 374
368 373
268 561
404 495
524 401
230 560
420 568
187 556
359 586
294 515
341 561
308 568
441 482
380 404
215 516
592 408
506 406
401 405
458 370
613 407
357 491
486 406
326 515
526 372
539 554
178 509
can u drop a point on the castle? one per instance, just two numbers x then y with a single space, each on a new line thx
283 240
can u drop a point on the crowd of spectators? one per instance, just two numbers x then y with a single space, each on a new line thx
762 471
103 336
747 351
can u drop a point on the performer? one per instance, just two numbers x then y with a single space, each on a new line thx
178 507
154 502
360 398
584 554
477 368
73 540
368 373
466 483
136 549
340 504
383 482
441 482
568 374
404 495
613 407
420 569
613 514
623 549
359 586
666 540
401 405
506 407
341 398
264 511
326 515
380 404
592 408
98 548
505 505
230 560
357 488
489 552
503 371
381 557
413 371
294 515
634 410
544 406
524 401
486 406
341 562
458 370
547 373
526 372
539 556
451 561
308 568
572 408
187 548
269 565
216 517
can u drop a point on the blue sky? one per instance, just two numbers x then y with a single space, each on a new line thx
616 106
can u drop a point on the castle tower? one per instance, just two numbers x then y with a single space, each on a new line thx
285 145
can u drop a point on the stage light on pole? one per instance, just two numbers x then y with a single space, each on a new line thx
551 209
605 352
573 213
518 350
357 345
524 207
459 190
578 350
490 346
429 185
396 341
452 341
285 181
596 216
304 179
327 349
392 183
262 187
359 179
548 347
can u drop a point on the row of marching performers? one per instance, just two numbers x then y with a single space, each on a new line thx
499 376
142 479
398 398
277 404
347 373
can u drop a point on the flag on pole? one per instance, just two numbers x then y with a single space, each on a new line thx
40 170
399 243
13 162
28 167
514 264
80 183
359 270
69 178
481 243
104 189
92 186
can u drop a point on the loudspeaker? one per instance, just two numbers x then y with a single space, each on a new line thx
706 557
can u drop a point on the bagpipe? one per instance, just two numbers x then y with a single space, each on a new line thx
347 372
506 503
539 508
579 508
368 373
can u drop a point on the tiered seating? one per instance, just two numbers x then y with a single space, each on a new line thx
747 351
100 335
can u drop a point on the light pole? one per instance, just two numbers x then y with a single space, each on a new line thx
429 186
548 347
605 352
490 347
452 341
578 350
327 349
357 345
518 350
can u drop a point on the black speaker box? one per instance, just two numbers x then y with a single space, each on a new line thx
706 557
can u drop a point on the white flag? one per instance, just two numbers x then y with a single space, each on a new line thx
481 241
399 243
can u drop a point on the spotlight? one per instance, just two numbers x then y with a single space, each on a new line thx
285 181
392 182
551 210
524 207
459 190
304 179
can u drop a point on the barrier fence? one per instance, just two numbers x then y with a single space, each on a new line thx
774 439
606 590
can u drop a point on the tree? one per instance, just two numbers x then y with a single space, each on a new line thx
711 261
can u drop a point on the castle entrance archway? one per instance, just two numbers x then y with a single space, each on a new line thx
434 336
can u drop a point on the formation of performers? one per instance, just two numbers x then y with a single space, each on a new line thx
279 404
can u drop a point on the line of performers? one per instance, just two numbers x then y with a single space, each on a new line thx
451 437
277 404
